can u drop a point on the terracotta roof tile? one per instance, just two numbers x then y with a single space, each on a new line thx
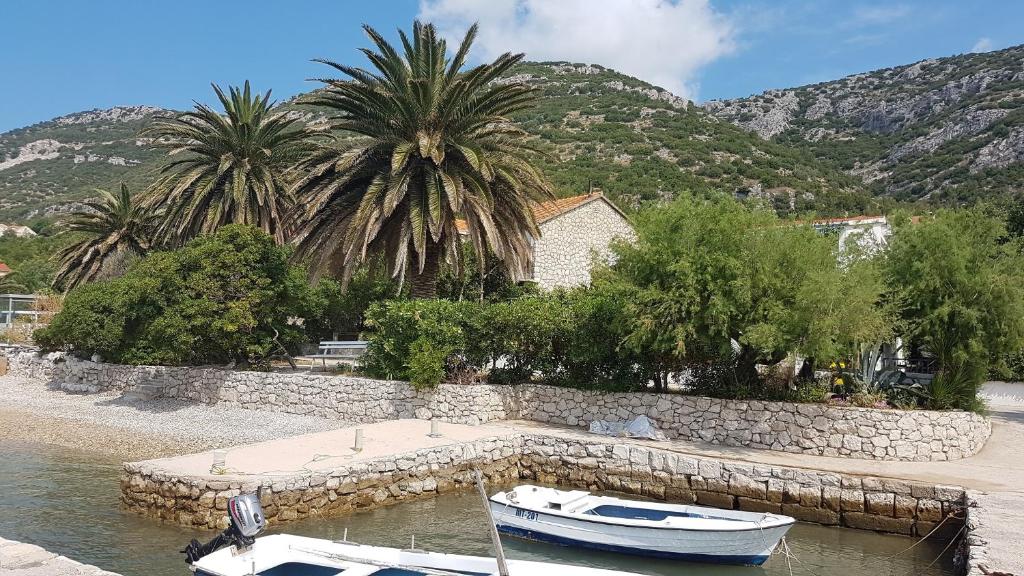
545 211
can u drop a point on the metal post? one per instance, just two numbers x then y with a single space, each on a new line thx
499 552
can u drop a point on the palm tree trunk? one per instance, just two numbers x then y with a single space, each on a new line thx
424 284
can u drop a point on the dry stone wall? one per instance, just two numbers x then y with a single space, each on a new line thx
798 428
825 498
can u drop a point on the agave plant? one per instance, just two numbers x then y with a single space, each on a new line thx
232 170
433 144
115 228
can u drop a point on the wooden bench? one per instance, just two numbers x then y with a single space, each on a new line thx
343 350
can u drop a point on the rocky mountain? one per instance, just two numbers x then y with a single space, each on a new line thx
46 167
946 130
603 129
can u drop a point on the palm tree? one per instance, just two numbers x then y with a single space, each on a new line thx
233 169
117 227
433 144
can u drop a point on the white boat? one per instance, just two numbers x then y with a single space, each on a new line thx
238 552
652 529
287 555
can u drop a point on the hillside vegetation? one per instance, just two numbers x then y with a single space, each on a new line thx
601 128
947 130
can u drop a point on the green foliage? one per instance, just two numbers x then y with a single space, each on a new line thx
473 281
338 311
114 229
562 338
31 260
226 168
434 145
710 275
415 339
958 285
219 299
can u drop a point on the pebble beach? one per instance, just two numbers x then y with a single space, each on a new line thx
133 429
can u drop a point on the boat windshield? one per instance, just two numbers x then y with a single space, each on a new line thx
629 513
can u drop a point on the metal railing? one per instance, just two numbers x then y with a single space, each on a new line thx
14 307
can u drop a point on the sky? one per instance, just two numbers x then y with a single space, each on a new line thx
63 56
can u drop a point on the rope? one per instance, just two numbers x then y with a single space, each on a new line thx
958 532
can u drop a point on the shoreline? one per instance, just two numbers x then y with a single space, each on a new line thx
29 427
112 424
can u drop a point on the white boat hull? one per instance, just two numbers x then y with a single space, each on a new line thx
722 540
287 555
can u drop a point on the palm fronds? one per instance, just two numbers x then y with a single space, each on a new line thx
433 144
115 227
232 166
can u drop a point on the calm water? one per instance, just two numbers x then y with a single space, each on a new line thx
67 502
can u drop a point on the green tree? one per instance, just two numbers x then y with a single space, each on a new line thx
716 286
221 298
233 170
433 143
115 228
958 286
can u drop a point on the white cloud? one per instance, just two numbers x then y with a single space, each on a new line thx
660 41
984 44
880 14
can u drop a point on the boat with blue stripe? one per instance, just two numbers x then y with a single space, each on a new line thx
652 529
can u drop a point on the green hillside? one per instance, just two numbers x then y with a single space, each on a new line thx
602 129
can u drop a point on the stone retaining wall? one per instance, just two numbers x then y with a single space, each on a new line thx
799 428
824 498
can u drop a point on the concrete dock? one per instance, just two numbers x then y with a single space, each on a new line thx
20 559
322 474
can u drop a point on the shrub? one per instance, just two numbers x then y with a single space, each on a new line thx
563 338
414 339
221 298
958 285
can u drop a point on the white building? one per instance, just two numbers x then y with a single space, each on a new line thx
870 233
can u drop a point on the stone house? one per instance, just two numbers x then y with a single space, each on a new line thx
573 231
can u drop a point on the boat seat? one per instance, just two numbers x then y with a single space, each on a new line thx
563 500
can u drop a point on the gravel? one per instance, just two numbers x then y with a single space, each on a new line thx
108 422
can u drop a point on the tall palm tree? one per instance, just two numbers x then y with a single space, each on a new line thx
433 144
233 168
115 226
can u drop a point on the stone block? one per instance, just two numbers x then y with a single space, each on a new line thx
715 500
864 521
929 510
851 500
750 505
879 503
816 515
905 506
740 485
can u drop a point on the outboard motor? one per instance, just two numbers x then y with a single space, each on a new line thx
246 519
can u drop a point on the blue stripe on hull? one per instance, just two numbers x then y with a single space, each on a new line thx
561 541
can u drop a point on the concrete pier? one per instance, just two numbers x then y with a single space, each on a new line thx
319 475
20 559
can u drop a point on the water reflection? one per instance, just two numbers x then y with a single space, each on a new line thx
67 502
